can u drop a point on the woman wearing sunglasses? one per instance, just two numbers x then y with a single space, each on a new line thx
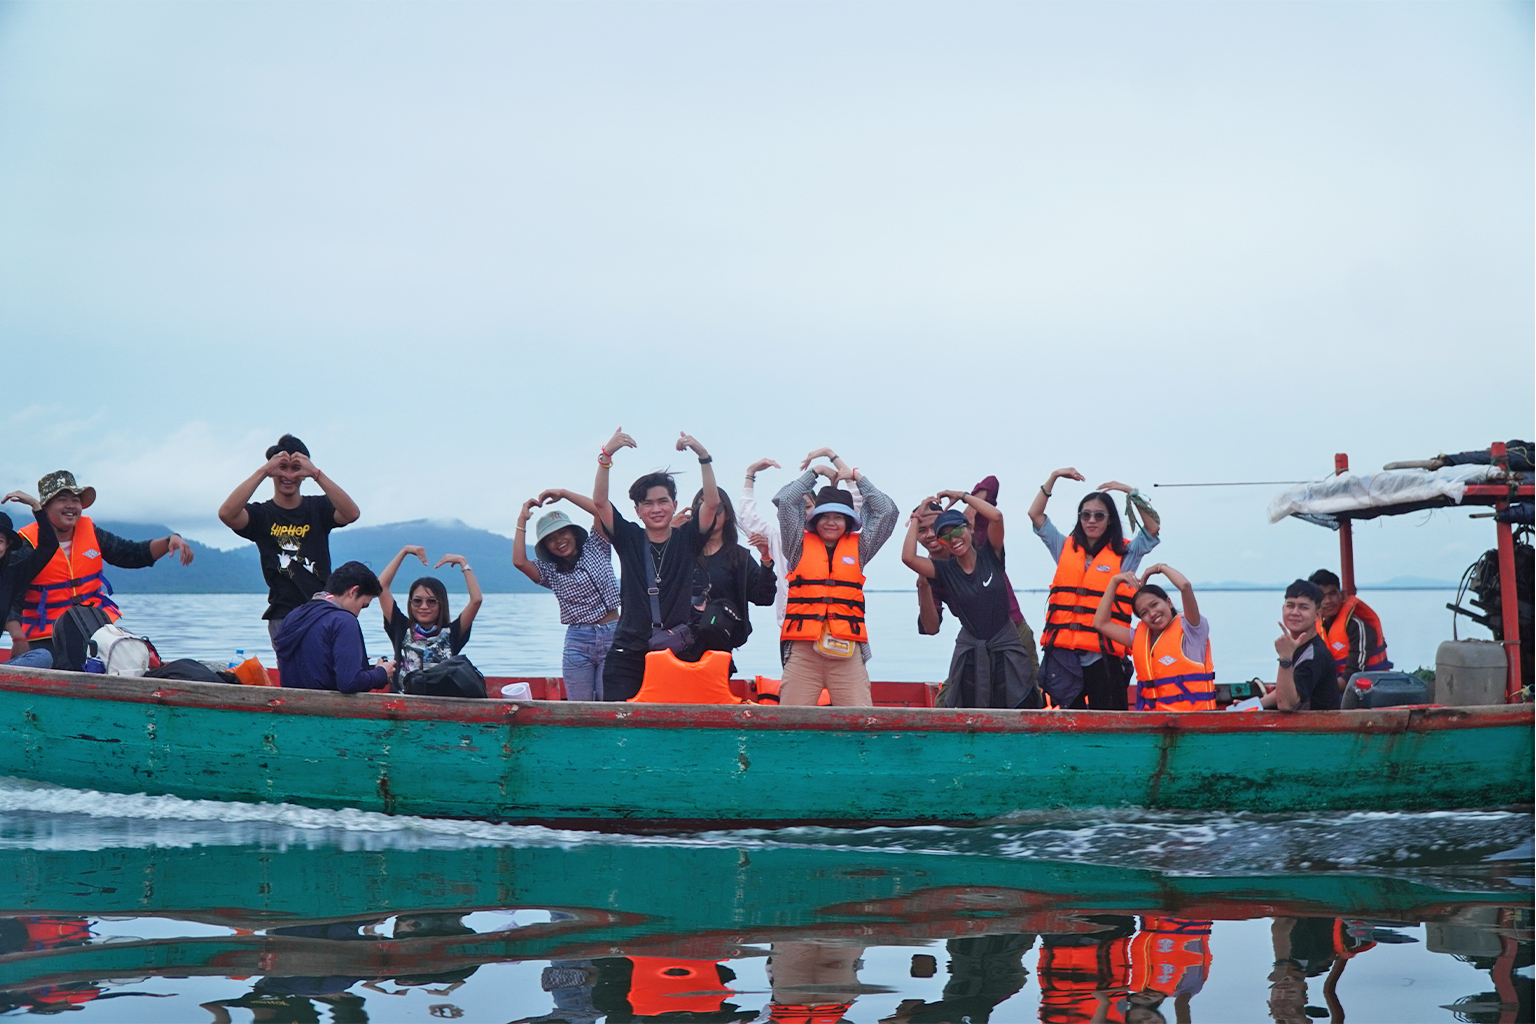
990 668
1080 667
1172 652
427 636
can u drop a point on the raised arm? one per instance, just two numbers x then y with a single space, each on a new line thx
879 517
1101 615
1151 522
576 498
386 599
791 504
232 513
747 515
346 509
601 508
1186 590
476 598
520 558
1284 697
983 508
920 564
1037 507
711 500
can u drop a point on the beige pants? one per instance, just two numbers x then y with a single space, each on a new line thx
807 673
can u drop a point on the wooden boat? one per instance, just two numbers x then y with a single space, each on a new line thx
629 766
697 901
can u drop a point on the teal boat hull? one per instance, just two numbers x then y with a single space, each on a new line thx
690 766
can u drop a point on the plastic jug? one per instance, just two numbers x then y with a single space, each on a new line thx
1385 690
1470 673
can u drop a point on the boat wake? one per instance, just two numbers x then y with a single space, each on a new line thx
41 816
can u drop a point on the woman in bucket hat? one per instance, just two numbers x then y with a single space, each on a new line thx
823 643
577 566
75 573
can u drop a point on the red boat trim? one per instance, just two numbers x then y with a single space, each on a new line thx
566 714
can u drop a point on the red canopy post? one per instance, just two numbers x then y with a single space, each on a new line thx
1508 596
1346 536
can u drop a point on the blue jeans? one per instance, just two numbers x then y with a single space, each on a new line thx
37 657
582 661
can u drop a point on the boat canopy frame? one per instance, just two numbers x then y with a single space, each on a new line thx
1500 496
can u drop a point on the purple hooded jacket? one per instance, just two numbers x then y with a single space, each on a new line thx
320 647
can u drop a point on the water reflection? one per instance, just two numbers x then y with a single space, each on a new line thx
919 926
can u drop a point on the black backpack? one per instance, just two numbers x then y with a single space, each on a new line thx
455 677
191 671
72 631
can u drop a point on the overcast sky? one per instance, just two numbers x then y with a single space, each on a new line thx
452 246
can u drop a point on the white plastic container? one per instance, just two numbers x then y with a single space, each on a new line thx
1469 673
517 691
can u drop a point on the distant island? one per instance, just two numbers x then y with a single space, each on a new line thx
239 571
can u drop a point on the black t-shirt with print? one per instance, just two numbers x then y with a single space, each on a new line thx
1316 678
979 599
295 549
676 561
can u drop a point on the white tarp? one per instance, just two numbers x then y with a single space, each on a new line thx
1351 493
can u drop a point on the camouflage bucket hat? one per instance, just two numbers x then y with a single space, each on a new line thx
63 480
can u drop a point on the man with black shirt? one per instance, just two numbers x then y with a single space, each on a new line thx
656 561
291 530
1306 679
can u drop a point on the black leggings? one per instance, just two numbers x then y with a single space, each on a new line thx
1104 684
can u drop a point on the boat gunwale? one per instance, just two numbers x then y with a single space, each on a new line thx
581 714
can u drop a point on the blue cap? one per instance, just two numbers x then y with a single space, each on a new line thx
949 517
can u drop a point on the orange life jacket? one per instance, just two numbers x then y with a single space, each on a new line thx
1169 680
1075 594
807 1013
52 932
1070 975
1344 944
662 985
1171 955
826 593
75 578
768 691
669 680
1336 636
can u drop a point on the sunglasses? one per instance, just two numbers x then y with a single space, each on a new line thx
1093 517
423 602
951 533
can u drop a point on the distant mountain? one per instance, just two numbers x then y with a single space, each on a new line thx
239 571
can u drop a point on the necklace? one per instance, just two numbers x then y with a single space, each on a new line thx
659 555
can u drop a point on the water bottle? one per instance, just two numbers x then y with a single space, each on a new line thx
239 659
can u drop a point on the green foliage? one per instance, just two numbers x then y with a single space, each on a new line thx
1426 674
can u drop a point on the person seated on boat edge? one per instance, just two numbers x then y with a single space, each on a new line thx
824 642
657 563
427 636
1171 652
1080 667
20 562
75 572
1306 679
320 646
990 667
292 531
731 580
577 567
1351 630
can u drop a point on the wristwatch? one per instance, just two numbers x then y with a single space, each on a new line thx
1286 662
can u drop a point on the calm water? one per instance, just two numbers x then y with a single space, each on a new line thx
159 909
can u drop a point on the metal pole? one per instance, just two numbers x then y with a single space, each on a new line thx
1346 536
1508 591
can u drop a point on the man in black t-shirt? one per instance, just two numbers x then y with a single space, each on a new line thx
669 570
291 530
1306 679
